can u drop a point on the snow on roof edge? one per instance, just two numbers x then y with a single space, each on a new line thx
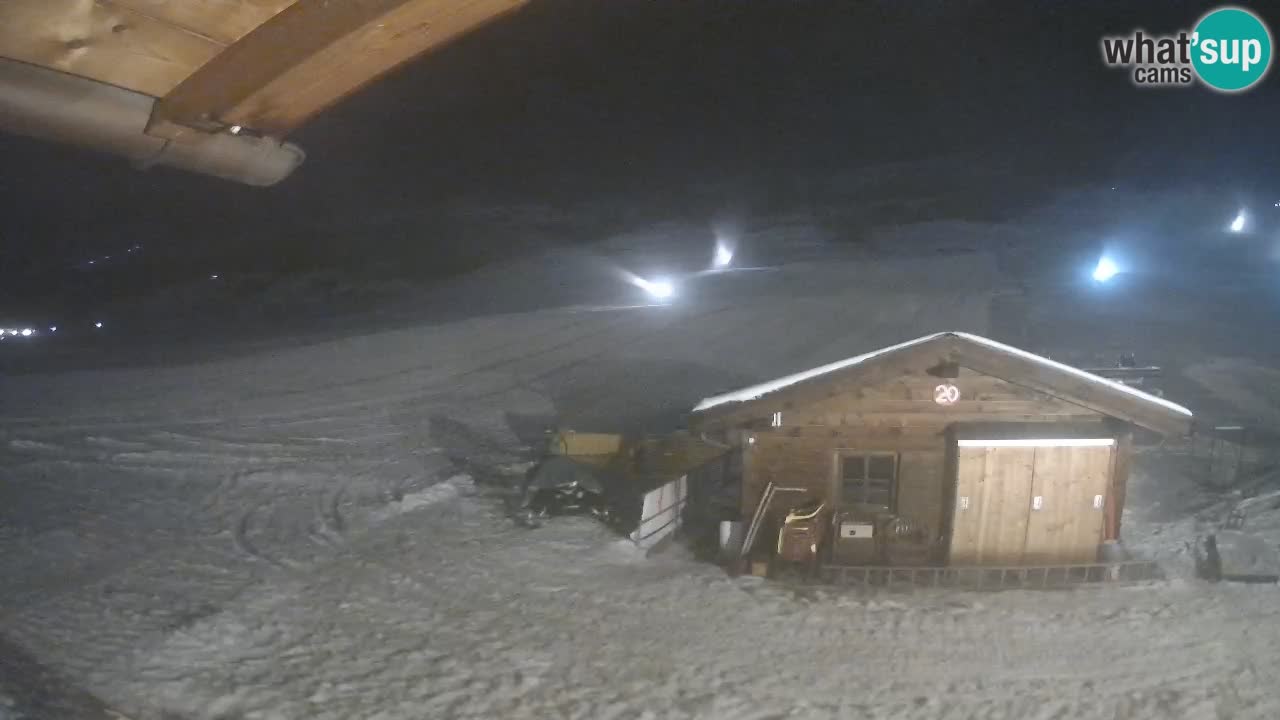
755 392
1075 371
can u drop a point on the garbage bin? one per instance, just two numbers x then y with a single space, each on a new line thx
731 537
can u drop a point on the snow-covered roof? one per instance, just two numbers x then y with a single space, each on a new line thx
757 391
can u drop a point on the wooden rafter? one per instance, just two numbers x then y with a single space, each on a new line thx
221 21
103 40
310 55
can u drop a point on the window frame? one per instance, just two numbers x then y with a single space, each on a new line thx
842 456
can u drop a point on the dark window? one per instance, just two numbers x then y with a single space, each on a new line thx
868 479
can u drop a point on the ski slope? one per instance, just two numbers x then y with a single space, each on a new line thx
317 531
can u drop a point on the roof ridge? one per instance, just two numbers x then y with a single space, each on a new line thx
754 392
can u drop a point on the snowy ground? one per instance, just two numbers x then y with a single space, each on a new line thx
317 531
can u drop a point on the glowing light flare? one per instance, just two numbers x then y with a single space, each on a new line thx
98 325
661 289
1105 270
723 256
1237 225
27 332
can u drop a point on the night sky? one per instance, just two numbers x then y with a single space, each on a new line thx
636 102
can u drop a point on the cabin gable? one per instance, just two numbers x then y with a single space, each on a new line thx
917 399
939 356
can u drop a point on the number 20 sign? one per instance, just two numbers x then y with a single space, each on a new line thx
946 394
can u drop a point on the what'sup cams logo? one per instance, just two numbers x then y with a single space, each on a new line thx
1229 51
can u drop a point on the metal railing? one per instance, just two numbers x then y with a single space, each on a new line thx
991 578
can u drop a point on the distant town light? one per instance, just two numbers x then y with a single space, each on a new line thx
53 328
97 324
26 332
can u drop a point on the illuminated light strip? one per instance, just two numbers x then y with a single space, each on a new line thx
1040 442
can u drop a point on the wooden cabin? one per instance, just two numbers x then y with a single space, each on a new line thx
950 449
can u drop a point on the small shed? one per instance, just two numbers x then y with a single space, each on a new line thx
950 449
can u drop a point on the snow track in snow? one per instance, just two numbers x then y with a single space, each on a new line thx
293 535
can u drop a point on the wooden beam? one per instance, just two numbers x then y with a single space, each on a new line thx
1097 427
921 437
102 40
311 55
222 21
1076 390
838 414
1119 485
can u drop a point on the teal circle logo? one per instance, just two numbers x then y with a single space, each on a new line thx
1231 49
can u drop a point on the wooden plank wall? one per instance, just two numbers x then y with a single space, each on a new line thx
908 400
993 529
922 486
811 462
784 461
1068 527
1119 488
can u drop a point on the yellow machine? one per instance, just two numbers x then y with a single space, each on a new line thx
635 457
802 534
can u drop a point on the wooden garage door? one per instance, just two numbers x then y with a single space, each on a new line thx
1018 503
